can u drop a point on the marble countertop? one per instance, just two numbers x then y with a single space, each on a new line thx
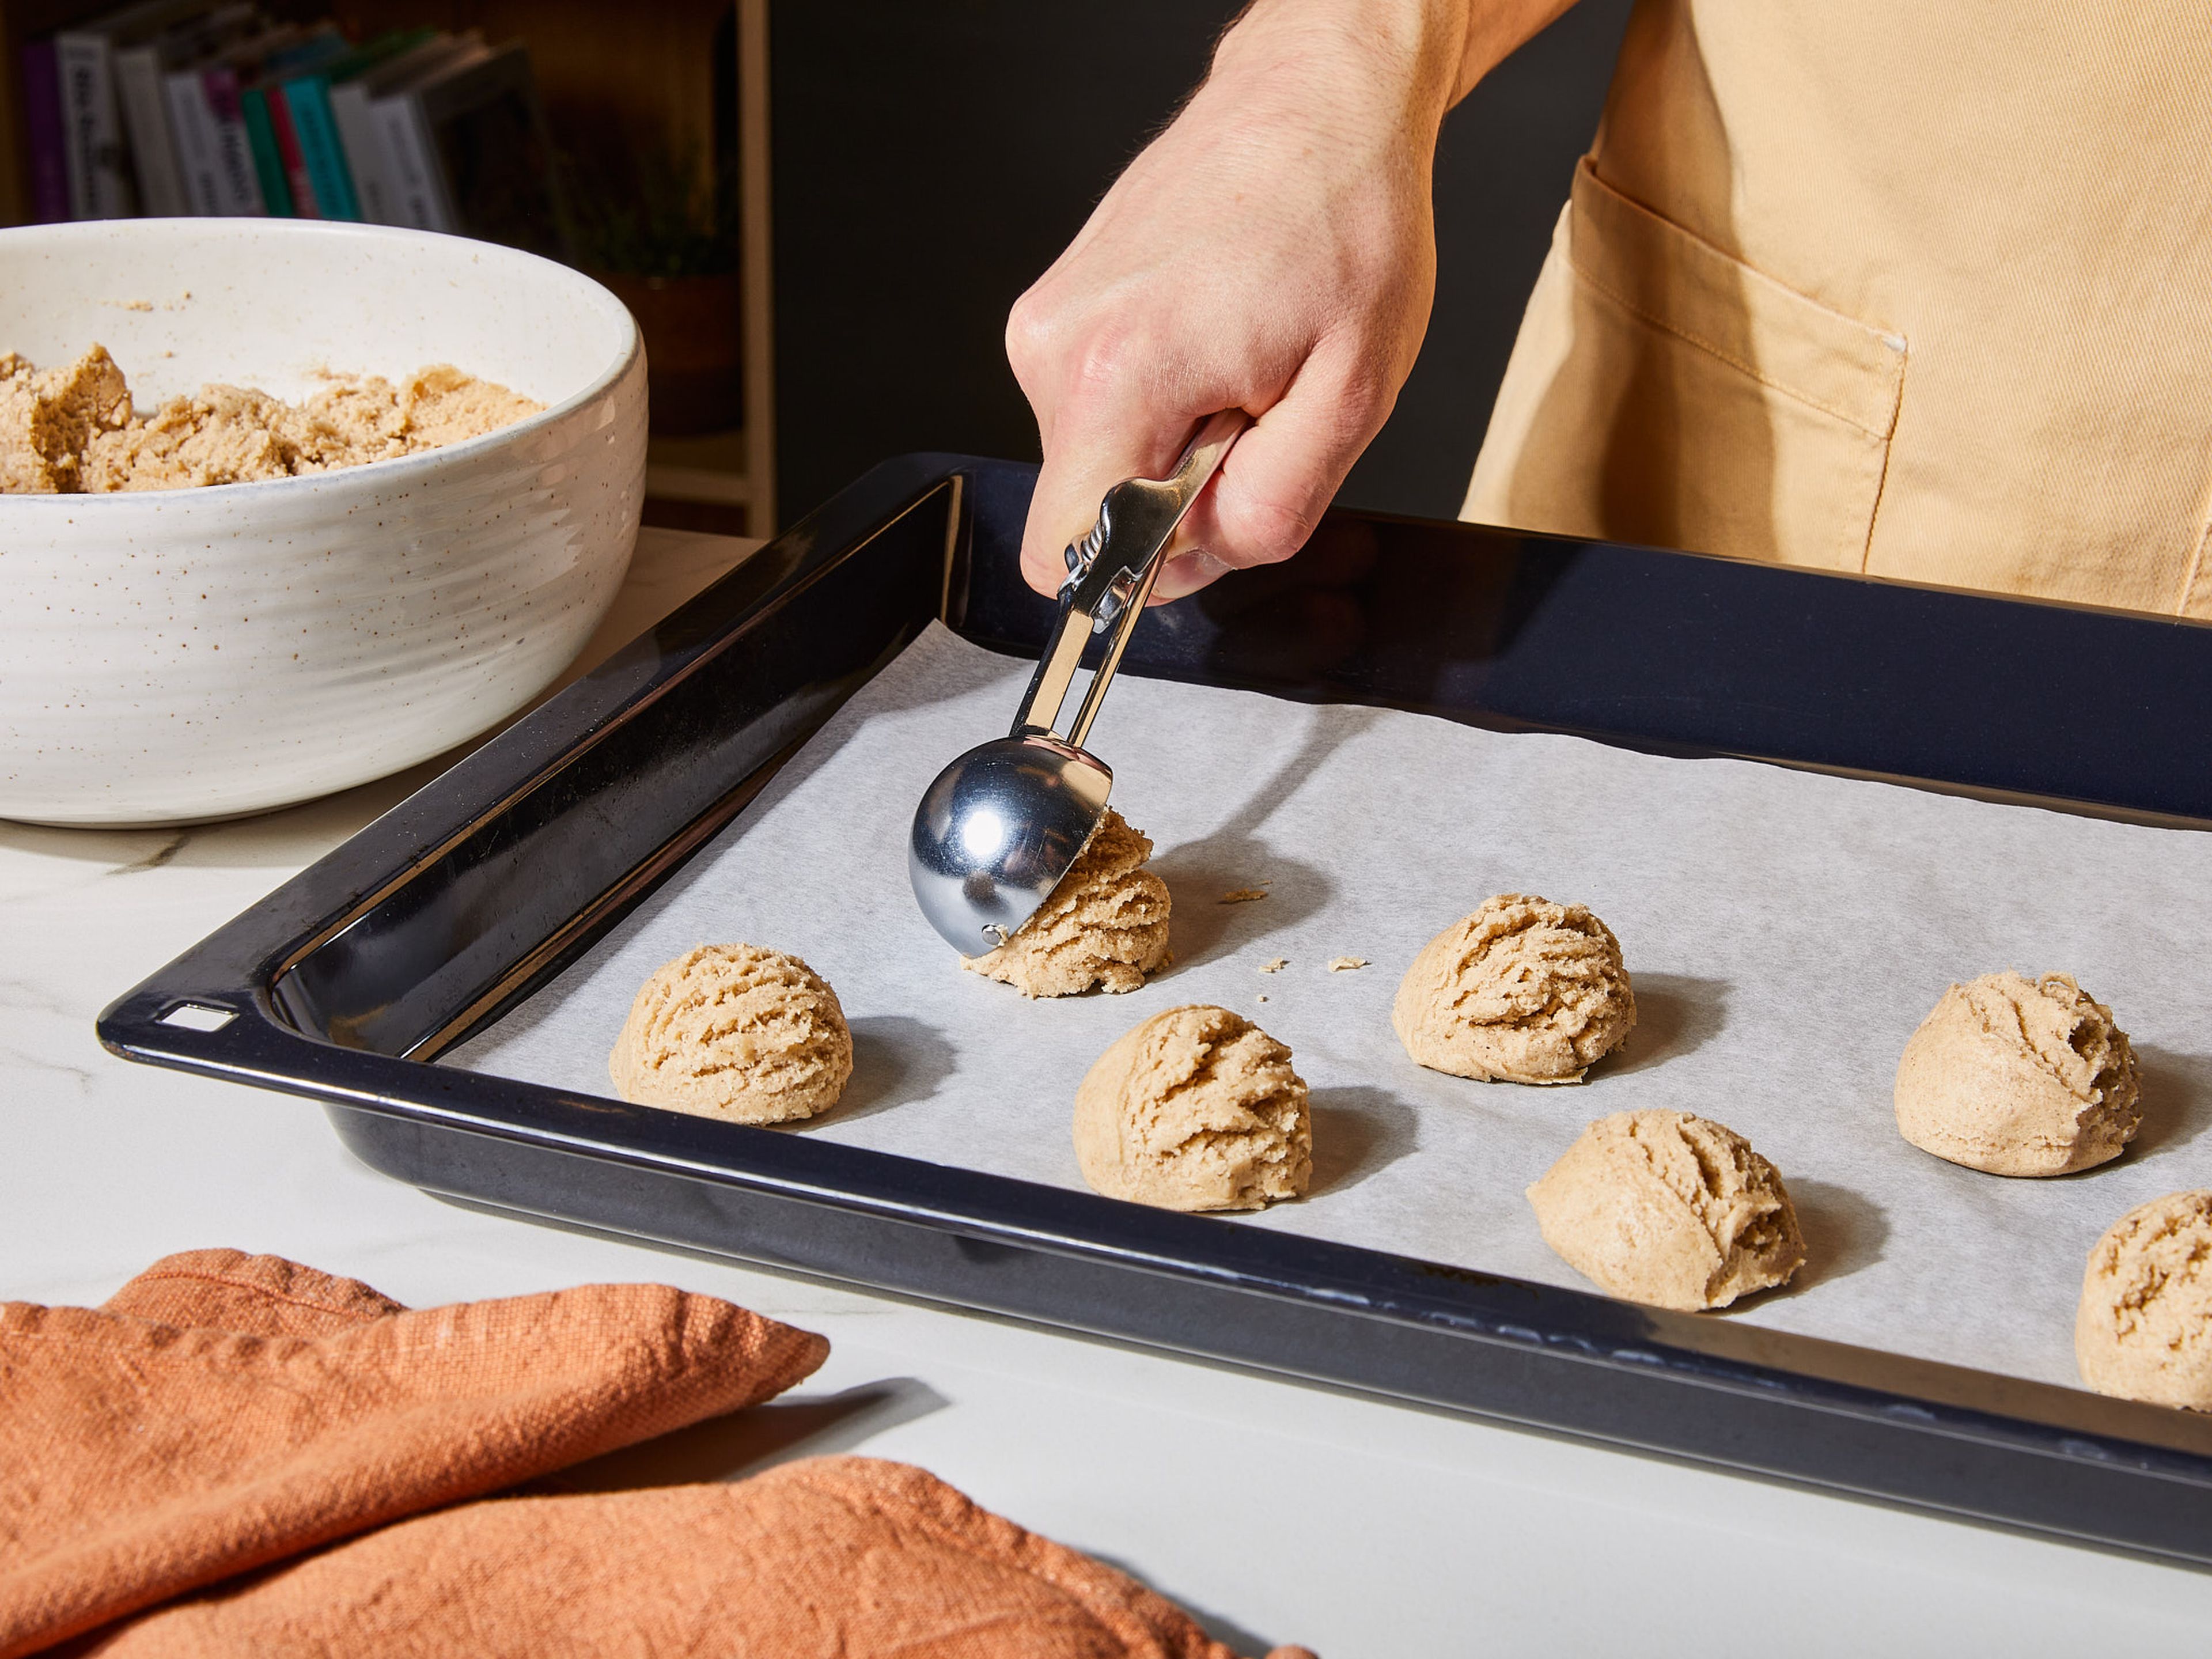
1276 1512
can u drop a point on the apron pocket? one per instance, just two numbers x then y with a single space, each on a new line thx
1668 394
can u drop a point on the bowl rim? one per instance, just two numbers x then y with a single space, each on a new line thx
391 467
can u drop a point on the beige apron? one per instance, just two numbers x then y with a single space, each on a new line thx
1918 289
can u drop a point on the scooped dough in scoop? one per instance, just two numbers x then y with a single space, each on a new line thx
2144 1328
1673 1210
1196 1109
735 1032
1106 924
1522 991
2019 1076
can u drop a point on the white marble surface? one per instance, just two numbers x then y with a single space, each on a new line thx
1276 1512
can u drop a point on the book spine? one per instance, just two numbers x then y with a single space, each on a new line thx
42 116
237 171
309 101
268 158
407 154
362 153
306 201
99 173
198 156
146 119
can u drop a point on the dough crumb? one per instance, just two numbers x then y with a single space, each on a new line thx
1346 964
1196 1109
74 430
1243 894
1276 966
2144 1328
735 1032
1522 991
1263 997
2019 1076
1106 924
1669 1209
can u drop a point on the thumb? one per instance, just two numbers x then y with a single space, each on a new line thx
1086 455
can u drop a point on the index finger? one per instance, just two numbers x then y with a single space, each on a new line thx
1088 451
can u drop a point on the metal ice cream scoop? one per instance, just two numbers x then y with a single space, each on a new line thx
1003 823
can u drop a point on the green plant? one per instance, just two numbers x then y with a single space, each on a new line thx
642 211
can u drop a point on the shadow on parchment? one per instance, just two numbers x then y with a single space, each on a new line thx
1844 1231
1356 1132
1236 857
895 1062
2177 1101
746 1441
1676 1014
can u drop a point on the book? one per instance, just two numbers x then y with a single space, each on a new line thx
42 122
310 194
238 173
100 185
413 195
286 156
270 172
213 151
351 112
472 154
239 168
305 100
146 122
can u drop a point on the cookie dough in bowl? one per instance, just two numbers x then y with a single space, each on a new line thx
75 428
1196 1109
1668 1209
1522 991
2144 1328
264 632
2019 1076
1105 925
734 1032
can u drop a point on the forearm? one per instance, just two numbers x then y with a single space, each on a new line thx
1429 53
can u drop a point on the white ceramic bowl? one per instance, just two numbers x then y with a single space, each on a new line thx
191 653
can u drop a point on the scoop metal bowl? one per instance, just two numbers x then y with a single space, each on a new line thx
1000 826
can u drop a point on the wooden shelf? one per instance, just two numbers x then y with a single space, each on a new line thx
710 469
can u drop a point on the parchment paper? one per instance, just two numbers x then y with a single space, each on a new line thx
1785 933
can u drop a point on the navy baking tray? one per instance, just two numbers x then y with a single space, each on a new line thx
346 983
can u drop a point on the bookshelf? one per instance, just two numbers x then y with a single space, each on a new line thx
687 75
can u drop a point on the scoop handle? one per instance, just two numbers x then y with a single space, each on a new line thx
1110 573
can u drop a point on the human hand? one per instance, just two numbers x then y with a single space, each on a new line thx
1272 250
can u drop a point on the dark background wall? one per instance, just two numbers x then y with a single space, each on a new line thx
930 159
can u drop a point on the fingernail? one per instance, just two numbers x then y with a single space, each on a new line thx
1187 573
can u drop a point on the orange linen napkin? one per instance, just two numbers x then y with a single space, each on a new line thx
225 1411
837 1558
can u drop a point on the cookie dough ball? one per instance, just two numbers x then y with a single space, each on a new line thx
1196 1109
1522 991
2144 1331
2019 1076
735 1032
1669 1209
1106 924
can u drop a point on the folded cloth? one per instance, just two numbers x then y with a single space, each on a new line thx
824 1559
225 1411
